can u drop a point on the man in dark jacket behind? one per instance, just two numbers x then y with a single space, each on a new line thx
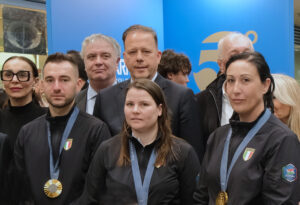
213 101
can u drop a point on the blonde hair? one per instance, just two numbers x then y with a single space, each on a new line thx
287 91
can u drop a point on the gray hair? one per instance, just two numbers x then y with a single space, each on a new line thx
94 37
231 37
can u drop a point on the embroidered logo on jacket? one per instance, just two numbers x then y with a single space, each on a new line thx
289 172
248 153
68 144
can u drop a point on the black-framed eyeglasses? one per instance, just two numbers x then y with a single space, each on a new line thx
8 75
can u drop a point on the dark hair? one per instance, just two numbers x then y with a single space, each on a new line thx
164 146
258 60
60 57
172 62
138 27
80 63
3 98
35 71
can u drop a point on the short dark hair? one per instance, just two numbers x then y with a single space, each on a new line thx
80 63
60 57
172 62
258 60
138 27
32 64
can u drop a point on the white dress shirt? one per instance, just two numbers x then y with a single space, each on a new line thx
90 101
91 98
226 108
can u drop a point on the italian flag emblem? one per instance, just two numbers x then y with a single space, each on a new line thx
248 153
68 144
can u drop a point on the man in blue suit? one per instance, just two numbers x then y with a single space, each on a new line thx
142 57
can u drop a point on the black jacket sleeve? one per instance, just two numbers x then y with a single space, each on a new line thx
201 194
189 123
95 180
280 181
188 177
4 163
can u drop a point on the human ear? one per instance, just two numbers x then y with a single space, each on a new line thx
266 86
170 76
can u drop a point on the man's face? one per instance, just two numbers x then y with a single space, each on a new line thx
141 55
60 83
101 61
231 48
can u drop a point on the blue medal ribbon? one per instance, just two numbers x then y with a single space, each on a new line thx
142 190
224 175
54 168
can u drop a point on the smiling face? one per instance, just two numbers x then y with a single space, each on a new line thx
59 84
245 90
101 61
141 111
141 55
20 93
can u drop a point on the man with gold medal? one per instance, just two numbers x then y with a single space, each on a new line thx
254 159
54 151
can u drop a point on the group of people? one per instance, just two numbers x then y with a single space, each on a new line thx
148 140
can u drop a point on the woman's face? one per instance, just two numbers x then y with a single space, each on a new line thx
141 111
16 90
281 111
245 90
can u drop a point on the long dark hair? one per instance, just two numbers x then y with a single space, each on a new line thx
258 60
164 147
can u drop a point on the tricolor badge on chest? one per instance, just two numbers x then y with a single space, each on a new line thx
68 144
289 172
248 153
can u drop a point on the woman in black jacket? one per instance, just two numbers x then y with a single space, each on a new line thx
254 159
19 76
145 163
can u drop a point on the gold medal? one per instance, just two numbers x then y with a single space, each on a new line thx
53 188
222 198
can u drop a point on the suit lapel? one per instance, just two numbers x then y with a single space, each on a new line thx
82 100
120 99
161 81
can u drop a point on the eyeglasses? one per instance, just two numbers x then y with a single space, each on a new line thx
22 76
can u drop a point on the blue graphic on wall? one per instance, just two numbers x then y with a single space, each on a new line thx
69 22
122 72
192 27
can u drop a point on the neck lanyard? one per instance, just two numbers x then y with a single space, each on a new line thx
224 175
54 168
142 190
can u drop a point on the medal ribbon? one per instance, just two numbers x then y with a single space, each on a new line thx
142 190
54 168
224 175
